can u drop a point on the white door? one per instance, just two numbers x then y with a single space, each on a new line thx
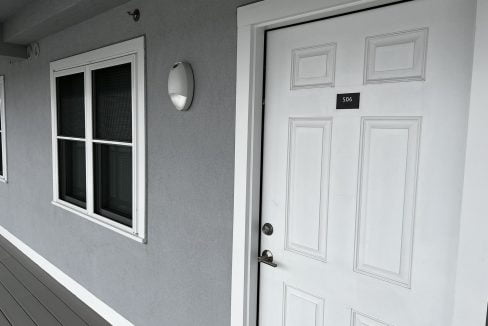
360 199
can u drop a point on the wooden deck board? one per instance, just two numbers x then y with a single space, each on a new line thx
30 297
30 304
3 320
12 310
57 307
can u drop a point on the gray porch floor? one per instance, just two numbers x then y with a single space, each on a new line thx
30 297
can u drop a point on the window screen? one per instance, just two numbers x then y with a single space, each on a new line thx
113 182
111 121
72 172
112 103
71 105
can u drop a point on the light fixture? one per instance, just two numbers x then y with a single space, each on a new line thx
181 85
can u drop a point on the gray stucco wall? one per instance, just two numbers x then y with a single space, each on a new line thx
183 275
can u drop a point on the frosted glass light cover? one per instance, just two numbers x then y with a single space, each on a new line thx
181 85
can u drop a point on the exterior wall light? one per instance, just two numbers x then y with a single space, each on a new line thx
181 85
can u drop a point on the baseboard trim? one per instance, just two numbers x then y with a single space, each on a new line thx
78 290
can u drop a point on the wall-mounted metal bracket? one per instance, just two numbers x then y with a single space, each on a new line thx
136 14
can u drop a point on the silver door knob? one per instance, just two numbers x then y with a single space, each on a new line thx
267 258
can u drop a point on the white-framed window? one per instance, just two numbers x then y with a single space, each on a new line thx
98 136
3 134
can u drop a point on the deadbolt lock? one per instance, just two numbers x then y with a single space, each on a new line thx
267 229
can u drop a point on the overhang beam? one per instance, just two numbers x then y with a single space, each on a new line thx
11 50
44 17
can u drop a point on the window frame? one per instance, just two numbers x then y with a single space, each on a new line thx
131 51
3 131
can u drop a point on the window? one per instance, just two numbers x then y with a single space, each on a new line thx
99 136
3 142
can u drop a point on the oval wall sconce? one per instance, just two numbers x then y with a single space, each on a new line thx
181 85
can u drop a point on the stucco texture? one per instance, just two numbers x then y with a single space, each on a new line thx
182 276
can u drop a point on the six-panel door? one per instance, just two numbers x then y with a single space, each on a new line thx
357 239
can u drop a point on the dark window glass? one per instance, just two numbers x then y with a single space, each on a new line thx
113 182
112 103
72 172
71 105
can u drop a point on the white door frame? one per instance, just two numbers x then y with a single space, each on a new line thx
252 22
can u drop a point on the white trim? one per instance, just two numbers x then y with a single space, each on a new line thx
269 14
90 187
3 176
101 308
67 72
132 52
253 21
129 47
54 134
100 220
71 138
110 142
471 294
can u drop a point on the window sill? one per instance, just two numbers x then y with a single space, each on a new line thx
3 179
98 220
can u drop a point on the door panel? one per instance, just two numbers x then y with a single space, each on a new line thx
308 183
302 309
360 199
387 194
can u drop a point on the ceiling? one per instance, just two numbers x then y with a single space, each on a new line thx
10 7
25 21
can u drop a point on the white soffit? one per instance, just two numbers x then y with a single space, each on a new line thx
10 7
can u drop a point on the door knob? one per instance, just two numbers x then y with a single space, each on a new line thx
267 258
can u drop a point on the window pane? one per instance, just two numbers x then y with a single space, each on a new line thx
113 182
70 92
72 172
112 103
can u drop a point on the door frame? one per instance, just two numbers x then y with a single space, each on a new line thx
252 23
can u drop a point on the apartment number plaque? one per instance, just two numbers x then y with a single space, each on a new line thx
348 101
